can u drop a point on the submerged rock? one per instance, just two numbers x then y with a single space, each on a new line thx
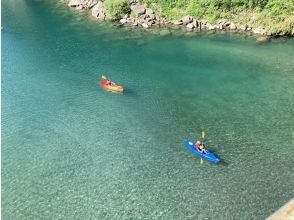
140 42
262 39
164 32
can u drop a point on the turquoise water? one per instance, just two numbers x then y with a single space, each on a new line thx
73 151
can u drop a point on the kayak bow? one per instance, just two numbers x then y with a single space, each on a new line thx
205 155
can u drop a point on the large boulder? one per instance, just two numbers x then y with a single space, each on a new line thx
98 11
212 27
195 23
74 3
89 3
145 25
187 19
190 26
224 23
123 21
177 22
138 9
233 26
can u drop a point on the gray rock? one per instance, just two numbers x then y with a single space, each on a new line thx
211 27
262 39
123 21
138 9
74 3
259 30
98 11
145 25
148 19
152 16
187 19
195 23
132 2
243 27
233 26
190 26
177 22
203 22
92 3
150 23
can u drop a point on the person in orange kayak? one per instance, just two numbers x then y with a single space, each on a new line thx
108 82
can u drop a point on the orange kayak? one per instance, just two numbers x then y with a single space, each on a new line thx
111 88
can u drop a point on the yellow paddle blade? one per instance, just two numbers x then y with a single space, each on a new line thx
202 134
201 161
103 77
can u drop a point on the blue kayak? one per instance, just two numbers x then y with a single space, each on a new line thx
205 155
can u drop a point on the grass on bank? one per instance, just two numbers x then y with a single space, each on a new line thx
276 15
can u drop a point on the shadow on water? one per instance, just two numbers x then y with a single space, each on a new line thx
215 151
223 163
130 92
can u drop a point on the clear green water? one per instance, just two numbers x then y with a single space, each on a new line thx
73 151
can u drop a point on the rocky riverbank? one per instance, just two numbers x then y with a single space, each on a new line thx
142 16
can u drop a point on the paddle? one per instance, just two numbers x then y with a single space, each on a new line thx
202 134
103 77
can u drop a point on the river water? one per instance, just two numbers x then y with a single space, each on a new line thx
71 150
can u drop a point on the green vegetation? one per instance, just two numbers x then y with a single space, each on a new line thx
276 15
115 9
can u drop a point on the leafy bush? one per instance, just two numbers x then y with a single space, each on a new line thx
115 9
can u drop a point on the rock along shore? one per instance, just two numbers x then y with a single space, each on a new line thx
144 17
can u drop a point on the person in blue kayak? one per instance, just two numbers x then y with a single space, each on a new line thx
199 147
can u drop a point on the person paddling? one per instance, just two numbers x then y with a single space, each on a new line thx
199 147
108 82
